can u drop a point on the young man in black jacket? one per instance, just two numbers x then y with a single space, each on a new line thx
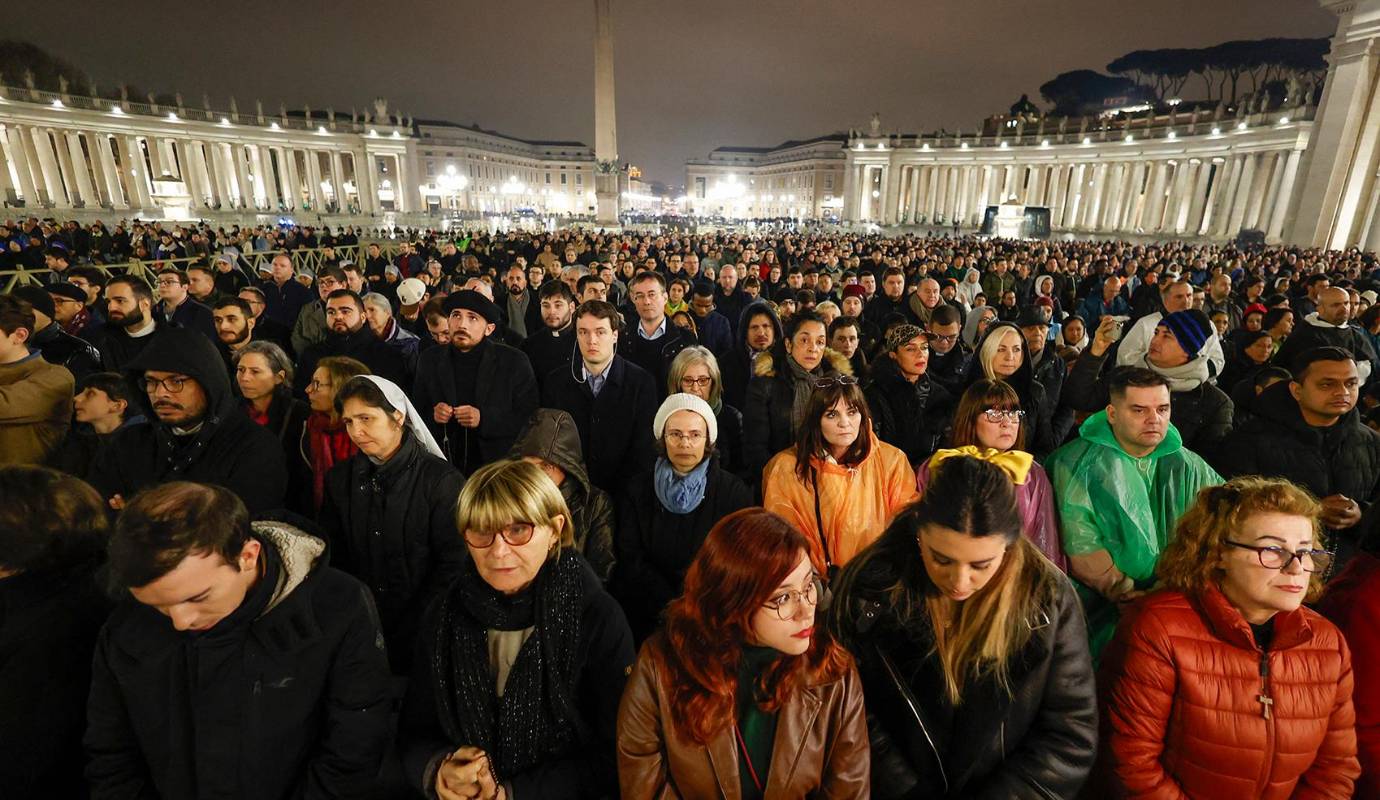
239 666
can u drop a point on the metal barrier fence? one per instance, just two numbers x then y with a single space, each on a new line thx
251 261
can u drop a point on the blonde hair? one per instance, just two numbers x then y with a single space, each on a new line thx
687 358
505 492
990 345
1192 561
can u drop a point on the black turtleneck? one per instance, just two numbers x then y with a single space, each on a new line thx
465 366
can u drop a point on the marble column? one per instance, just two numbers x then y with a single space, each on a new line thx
1152 210
1286 194
81 166
1198 206
1265 177
294 194
1245 188
14 136
1219 198
135 172
71 167
52 178
263 178
8 191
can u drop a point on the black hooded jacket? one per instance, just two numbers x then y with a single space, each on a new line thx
736 365
381 358
552 436
1278 443
288 697
392 525
227 449
1039 429
59 347
911 416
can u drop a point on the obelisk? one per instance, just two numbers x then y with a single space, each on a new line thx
605 121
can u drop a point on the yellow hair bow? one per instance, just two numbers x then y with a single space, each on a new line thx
1014 462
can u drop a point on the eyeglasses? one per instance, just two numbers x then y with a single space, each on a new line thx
173 384
1274 557
837 380
693 437
787 604
697 383
316 386
169 282
516 535
941 338
915 349
998 415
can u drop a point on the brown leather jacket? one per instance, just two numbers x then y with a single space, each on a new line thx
821 744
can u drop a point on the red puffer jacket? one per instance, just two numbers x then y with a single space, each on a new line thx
1353 602
1193 709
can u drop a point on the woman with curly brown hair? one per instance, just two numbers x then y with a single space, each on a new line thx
1222 684
742 694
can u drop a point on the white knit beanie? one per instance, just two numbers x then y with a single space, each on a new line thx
685 402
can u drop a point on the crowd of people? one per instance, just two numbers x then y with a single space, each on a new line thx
764 515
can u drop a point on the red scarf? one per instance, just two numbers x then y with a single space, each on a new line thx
328 444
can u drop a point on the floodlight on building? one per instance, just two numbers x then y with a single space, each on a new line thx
1044 143
1284 120
963 146
876 193
925 147
1172 135
321 129
57 104
273 126
1241 127
373 132
397 135
1216 131
172 117
1087 140
1130 138
1004 145
225 120
117 111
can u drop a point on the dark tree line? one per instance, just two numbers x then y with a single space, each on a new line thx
1223 73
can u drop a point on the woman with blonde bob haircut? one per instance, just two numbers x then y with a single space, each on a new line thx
521 662
695 371
1224 659
972 649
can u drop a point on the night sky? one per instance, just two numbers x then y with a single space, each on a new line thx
691 75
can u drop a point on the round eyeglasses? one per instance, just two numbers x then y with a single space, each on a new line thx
999 415
1274 557
173 384
516 535
787 604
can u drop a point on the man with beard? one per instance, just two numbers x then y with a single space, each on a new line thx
518 302
476 393
234 328
196 432
348 334
178 308
552 347
758 329
130 322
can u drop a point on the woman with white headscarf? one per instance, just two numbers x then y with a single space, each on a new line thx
389 510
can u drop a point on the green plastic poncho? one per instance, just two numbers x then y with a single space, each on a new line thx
1110 500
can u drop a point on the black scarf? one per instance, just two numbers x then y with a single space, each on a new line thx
536 716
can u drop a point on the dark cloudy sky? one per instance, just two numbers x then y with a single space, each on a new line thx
691 74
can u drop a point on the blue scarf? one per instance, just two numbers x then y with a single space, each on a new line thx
680 494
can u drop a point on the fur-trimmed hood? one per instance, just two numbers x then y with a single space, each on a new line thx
835 363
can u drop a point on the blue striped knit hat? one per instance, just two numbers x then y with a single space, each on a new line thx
1191 328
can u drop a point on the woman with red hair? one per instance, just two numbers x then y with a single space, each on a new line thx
741 695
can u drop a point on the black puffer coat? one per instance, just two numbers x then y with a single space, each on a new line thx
552 436
393 527
655 546
1038 742
911 416
229 449
736 367
296 685
1278 443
